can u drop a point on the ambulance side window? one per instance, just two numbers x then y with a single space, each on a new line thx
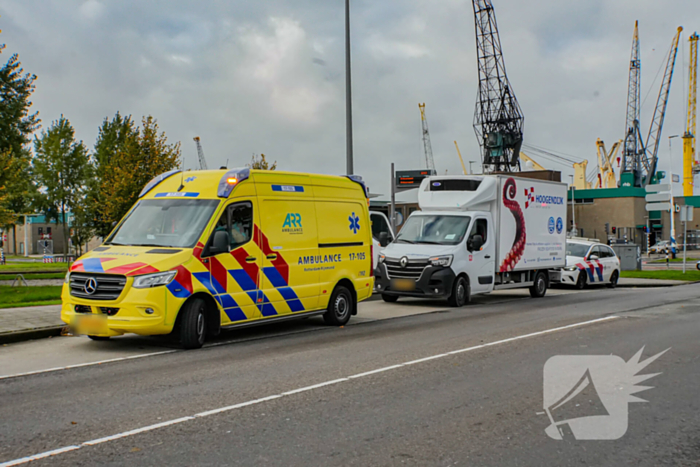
237 221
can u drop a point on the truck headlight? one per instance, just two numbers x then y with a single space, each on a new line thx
444 261
154 280
570 268
381 259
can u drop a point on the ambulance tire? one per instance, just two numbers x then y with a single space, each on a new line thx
613 279
340 307
99 338
582 280
461 293
193 326
390 298
539 289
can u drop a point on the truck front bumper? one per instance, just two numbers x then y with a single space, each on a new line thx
434 282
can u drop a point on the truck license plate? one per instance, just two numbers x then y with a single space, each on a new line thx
405 285
91 325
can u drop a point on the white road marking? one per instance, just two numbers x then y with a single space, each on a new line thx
208 413
79 365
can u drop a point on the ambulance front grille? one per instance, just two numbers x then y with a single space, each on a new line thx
413 270
108 286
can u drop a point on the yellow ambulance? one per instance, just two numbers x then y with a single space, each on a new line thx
209 250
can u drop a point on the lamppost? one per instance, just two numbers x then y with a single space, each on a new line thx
673 202
348 91
574 230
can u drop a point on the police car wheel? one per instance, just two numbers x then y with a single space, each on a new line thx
581 281
193 327
99 338
390 298
461 293
539 289
613 279
340 307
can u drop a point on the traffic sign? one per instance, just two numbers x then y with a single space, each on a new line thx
658 188
686 213
658 206
658 197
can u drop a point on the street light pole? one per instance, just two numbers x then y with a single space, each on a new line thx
673 202
348 91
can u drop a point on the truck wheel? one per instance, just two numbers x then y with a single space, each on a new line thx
581 281
539 289
340 307
390 298
613 279
461 293
193 329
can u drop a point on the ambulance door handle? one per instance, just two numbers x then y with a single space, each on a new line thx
272 256
250 259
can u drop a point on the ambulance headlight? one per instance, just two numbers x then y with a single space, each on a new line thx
444 261
570 268
154 280
67 278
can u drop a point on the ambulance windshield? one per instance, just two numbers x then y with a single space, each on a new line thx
434 229
164 222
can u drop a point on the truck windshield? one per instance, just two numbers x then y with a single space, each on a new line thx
439 230
576 249
164 222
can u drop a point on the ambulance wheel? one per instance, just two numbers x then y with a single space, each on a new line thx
539 289
461 293
390 298
193 329
581 281
613 279
99 338
339 307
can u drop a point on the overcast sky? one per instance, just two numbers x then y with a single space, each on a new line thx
268 76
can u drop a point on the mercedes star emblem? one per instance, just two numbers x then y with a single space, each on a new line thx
403 262
90 286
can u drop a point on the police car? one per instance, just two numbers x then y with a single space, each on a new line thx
588 262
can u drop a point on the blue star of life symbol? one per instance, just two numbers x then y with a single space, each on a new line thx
190 179
354 223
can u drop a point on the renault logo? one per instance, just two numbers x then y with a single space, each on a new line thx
90 286
403 262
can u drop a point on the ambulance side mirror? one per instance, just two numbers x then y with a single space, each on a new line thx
220 243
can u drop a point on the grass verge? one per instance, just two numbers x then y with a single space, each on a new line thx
21 296
18 266
24 304
31 276
690 275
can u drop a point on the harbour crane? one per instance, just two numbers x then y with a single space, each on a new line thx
498 119
606 171
690 165
200 154
459 153
427 147
640 158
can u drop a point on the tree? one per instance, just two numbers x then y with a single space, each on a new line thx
61 169
16 127
260 163
142 155
112 137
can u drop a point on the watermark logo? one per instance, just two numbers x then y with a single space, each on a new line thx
586 396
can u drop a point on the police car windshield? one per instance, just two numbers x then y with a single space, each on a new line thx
165 222
576 249
439 230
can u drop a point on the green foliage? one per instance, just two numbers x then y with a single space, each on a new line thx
17 295
691 274
22 266
259 162
17 124
62 171
140 155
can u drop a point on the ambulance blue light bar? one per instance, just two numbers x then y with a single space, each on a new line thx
358 179
152 184
229 181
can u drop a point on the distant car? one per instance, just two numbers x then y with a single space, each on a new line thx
660 247
588 263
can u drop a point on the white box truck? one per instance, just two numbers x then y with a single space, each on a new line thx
476 234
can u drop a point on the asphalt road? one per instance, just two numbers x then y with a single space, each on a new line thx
381 392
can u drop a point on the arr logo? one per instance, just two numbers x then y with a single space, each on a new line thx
292 224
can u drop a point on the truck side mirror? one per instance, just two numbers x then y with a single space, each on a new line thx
383 239
475 243
220 243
